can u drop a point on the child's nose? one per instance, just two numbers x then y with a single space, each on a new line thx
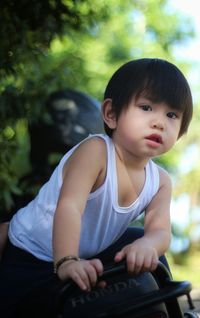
158 123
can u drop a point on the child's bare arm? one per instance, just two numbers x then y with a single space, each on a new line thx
81 175
157 223
142 254
3 236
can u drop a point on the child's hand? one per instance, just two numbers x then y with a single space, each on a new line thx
84 272
140 257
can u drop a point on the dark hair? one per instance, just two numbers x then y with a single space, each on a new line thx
156 79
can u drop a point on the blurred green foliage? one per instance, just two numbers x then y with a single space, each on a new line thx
187 270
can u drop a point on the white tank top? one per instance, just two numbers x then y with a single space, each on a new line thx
103 220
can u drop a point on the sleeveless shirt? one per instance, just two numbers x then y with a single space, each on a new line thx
103 220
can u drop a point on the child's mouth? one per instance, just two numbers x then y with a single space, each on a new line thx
155 138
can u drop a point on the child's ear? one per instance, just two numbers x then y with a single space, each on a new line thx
108 114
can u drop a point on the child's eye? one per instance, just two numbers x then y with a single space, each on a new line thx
172 115
146 108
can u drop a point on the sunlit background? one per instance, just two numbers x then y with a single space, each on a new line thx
185 209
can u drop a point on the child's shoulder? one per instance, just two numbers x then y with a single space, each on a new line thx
92 148
164 176
94 143
90 155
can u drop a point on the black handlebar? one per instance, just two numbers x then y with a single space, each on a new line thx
167 292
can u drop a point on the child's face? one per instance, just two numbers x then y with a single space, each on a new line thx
146 128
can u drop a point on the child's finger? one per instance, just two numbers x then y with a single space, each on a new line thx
154 264
119 256
102 284
97 264
92 274
79 281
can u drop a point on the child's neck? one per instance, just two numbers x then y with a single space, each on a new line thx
129 160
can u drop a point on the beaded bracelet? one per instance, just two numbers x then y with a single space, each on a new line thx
65 259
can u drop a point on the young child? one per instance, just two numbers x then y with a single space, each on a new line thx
80 218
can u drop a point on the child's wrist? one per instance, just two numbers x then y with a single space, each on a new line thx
63 260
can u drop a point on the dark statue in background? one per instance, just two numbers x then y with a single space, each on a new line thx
70 117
